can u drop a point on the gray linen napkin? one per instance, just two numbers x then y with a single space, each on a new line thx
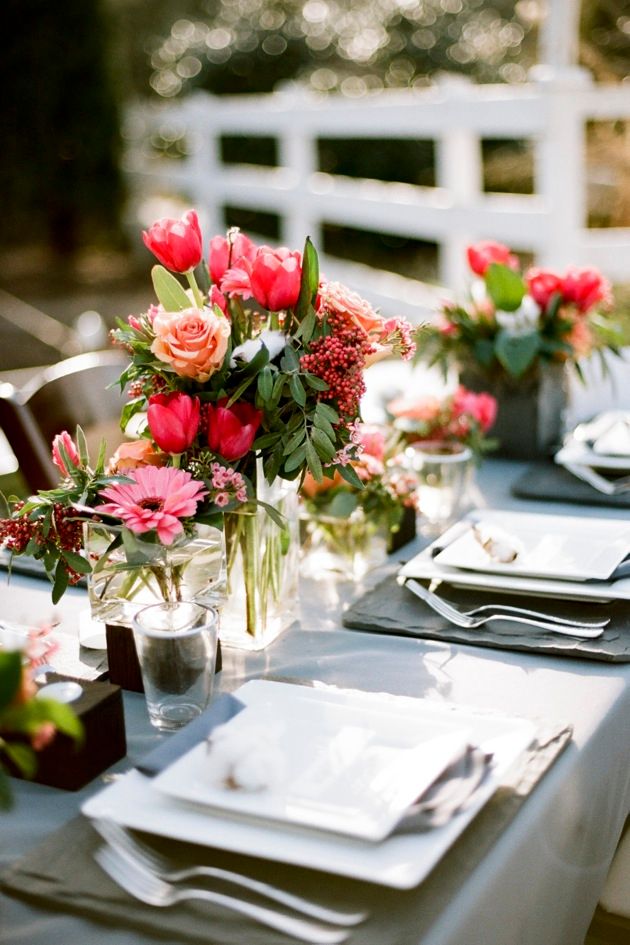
61 874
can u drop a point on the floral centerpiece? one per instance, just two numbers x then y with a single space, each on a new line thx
461 417
249 373
27 724
515 335
515 320
349 528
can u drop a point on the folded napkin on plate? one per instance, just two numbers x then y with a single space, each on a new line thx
220 711
60 874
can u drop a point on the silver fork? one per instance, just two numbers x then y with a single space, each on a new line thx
121 840
149 888
460 619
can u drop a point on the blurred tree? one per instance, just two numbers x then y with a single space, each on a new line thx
59 160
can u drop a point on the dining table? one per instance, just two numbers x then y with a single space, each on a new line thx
537 878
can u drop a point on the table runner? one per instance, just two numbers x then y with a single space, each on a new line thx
554 483
391 608
61 874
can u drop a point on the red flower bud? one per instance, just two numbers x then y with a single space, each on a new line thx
542 285
65 440
176 243
481 255
232 430
173 420
275 276
226 254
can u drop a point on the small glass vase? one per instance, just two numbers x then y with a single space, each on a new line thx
444 474
125 579
262 567
349 547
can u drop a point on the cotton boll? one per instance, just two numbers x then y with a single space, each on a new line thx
246 760
498 544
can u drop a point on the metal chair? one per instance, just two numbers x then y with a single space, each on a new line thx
74 391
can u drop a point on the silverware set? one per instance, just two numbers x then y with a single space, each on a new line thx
151 878
488 613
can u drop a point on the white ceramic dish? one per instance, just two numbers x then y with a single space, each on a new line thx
344 768
551 546
424 567
399 861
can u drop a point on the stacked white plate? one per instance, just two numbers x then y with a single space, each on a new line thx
599 452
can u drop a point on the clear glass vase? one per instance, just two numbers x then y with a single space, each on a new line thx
444 473
262 567
128 577
349 547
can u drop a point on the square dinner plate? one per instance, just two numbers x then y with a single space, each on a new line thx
398 861
348 768
562 547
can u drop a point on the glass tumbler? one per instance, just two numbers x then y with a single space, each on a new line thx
444 474
177 648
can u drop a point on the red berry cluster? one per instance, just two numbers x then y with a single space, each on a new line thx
15 533
65 533
339 359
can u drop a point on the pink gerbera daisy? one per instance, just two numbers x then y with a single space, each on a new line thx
158 499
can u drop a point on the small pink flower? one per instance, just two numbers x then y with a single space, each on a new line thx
221 499
64 441
193 341
157 500
373 442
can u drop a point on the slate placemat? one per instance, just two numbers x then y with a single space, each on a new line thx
556 484
391 608
60 874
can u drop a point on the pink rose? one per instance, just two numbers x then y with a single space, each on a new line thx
542 285
483 254
480 407
585 288
275 276
226 254
336 299
193 342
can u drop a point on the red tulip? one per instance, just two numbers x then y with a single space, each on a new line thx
176 243
482 254
65 440
226 254
542 285
173 420
275 276
232 430
585 288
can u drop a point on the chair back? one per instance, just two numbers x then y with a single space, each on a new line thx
74 391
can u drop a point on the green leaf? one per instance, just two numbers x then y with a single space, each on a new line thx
307 326
322 444
266 440
22 756
169 290
290 361
343 504
483 351
310 280
62 716
348 473
297 390
5 791
274 515
315 382
295 441
76 561
61 581
265 384
313 461
323 423
5 510
276 394
296 459
327 411
516 352
505 287
82 446
10 675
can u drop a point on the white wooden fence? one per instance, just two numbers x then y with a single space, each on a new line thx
457 115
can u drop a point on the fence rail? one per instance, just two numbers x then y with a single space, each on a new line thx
456 115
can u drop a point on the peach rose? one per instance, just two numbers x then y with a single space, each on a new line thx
193 341
133 454
424 410
336 299
311 487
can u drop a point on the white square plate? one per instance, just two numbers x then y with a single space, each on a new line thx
562 547
345 768
398 861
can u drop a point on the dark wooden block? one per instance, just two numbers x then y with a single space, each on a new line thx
64 764
122 658
406 532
